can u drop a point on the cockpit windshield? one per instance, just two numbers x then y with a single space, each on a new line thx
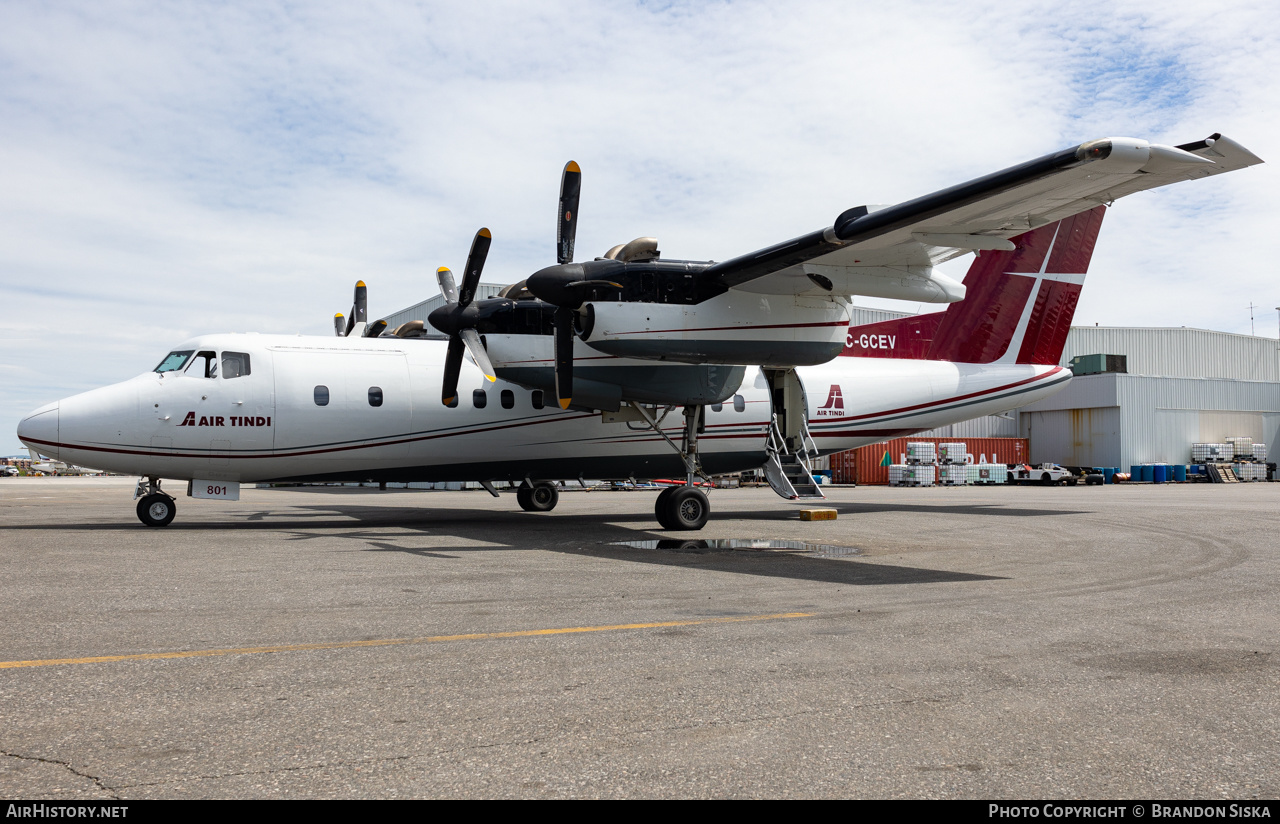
174 361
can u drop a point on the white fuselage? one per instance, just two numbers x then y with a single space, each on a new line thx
382 418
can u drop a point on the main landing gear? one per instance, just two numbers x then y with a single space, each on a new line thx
682 507
541 497
155 508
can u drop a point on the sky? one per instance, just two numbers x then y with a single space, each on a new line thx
168 170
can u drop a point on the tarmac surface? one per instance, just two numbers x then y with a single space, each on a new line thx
1086 642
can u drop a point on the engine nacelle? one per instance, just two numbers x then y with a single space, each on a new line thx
733 328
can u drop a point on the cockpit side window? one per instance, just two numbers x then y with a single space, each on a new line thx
234 365
174 361
204 365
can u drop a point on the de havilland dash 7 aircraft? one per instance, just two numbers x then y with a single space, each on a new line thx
579 370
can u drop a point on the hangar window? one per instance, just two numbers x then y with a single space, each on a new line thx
375 396
234 365
322 395
479 399
174 361
537 399
508 399
739 403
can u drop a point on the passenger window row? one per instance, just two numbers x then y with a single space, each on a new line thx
479 398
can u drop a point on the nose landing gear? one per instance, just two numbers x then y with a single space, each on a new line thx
155 507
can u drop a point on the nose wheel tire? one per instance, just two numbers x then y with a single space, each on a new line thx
682 508
538 498
156 510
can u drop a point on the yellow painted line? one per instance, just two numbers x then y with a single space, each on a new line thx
391 642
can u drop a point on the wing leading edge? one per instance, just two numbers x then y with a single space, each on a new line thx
890 252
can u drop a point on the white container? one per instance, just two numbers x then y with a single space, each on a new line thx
986 474
1260 452
921 453
1250 471
912 475
1242 447
1211 453
953 453
953 475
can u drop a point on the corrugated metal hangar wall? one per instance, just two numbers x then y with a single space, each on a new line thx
1183 386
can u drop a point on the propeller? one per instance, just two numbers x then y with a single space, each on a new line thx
566 285
567 229
457 318
339 325
359 308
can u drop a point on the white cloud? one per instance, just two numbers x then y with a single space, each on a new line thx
168 170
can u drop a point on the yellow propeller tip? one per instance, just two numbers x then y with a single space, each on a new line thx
443 269
572 167
360 284
564 402
484 233
492 378
448 401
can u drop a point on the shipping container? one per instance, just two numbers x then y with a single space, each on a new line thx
870 464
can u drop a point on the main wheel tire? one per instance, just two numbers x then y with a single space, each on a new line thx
686 509
662 509
156 510
541 497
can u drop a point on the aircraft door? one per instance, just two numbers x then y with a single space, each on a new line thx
790 406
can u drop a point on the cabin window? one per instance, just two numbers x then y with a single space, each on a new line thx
739 403
204 365
508 399
716 407
537 399
174 361
322 396
479 399
234 365
375 396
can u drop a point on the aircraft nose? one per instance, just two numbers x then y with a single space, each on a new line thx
39 430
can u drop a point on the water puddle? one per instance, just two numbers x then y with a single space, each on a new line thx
745 545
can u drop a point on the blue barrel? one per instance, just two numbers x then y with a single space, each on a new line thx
1180 473
1160 473
1108 474
1148 473
1135 474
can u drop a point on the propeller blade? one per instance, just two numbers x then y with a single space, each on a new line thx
475 265
452 368
478 354
360 311
564 356
339 325
375 329
447 287
567 229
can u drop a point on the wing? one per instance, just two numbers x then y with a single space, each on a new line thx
890 251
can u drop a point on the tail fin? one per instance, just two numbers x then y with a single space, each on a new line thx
1017 309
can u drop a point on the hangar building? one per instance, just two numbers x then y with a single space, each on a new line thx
1173 388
